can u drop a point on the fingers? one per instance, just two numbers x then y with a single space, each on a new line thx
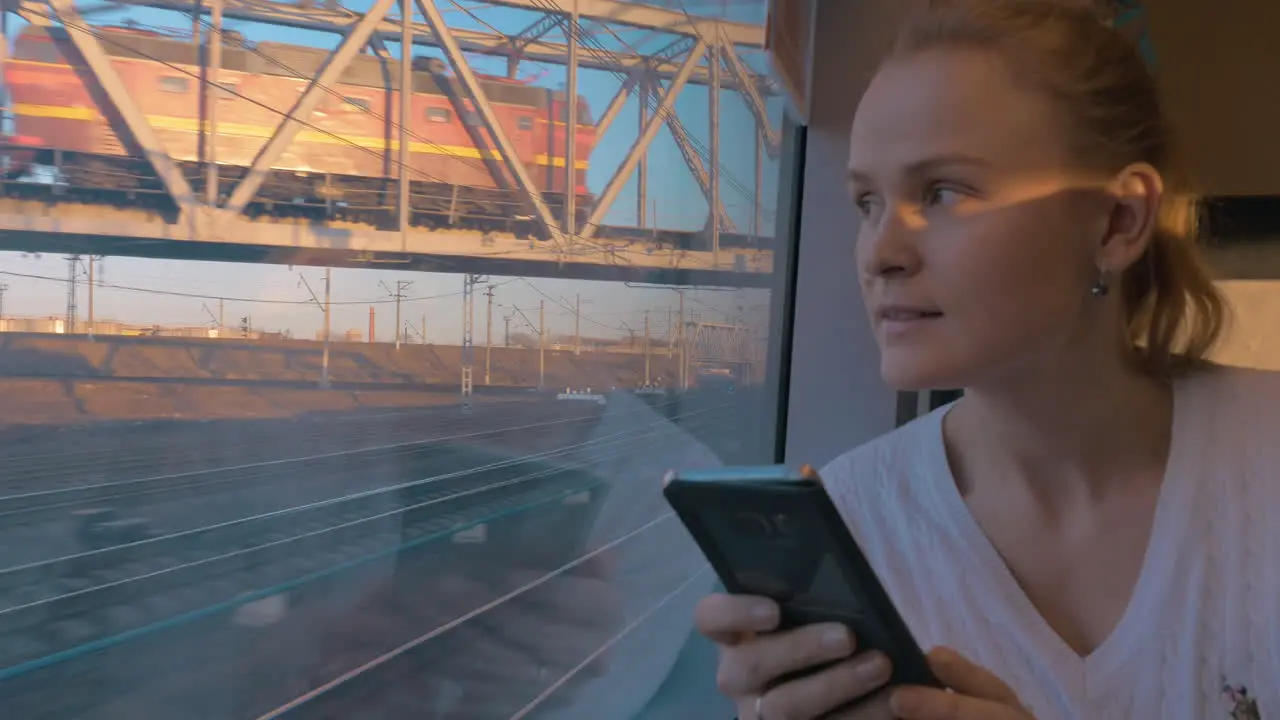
872 707
726 619
976 694
816 695
748 668
968 678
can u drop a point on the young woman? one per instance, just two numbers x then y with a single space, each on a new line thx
1084 534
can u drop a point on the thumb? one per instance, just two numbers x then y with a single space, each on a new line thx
968 678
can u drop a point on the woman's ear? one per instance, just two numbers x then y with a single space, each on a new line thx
1136 193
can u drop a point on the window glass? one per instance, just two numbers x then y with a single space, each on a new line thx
45 52
310 456
175 84
355 103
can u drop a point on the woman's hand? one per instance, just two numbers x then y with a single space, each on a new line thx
975 694
751 664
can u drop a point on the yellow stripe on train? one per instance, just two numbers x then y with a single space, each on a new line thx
180 124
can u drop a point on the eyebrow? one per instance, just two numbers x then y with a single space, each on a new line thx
926 165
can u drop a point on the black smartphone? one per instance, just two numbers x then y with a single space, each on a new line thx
773 531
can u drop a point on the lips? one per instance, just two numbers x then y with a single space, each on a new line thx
900 313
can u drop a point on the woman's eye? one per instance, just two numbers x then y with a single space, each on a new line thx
942 195
865 203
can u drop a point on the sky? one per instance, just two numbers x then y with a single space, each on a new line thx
139 291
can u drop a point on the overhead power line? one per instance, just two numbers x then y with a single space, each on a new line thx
227 298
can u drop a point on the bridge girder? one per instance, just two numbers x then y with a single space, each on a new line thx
648 17
473 41
698 40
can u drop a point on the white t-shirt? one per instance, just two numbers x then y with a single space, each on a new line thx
1200 639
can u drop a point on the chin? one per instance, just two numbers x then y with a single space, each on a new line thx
911 371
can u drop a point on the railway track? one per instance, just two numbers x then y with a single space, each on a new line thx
26 507
30 472
58 607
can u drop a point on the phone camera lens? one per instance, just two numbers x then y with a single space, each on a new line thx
782 523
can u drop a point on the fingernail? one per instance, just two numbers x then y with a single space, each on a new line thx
764 612
904 703
942 656
873 669
836 639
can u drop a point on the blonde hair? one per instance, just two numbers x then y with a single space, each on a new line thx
1112 111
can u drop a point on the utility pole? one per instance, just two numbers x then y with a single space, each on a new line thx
424 328
398 294
91 283
324 360
542 343
469 282
326 332
488 334
3 288
222 307
577 321
73 279
506 336
671 334
684 365
646 348
373 325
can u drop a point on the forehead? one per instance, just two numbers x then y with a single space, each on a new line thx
948 103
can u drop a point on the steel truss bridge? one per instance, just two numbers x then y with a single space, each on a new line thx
210 222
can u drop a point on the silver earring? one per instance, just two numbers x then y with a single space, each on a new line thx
1101 287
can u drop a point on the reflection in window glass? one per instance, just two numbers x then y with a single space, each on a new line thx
340 458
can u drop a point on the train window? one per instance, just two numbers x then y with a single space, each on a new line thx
175 84
45 52
362 455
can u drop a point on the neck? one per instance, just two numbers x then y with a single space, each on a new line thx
1080 428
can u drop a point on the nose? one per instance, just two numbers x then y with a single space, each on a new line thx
890 247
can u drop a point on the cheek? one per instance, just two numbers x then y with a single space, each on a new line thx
1003 288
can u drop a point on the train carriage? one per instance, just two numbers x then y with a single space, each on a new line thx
345 160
